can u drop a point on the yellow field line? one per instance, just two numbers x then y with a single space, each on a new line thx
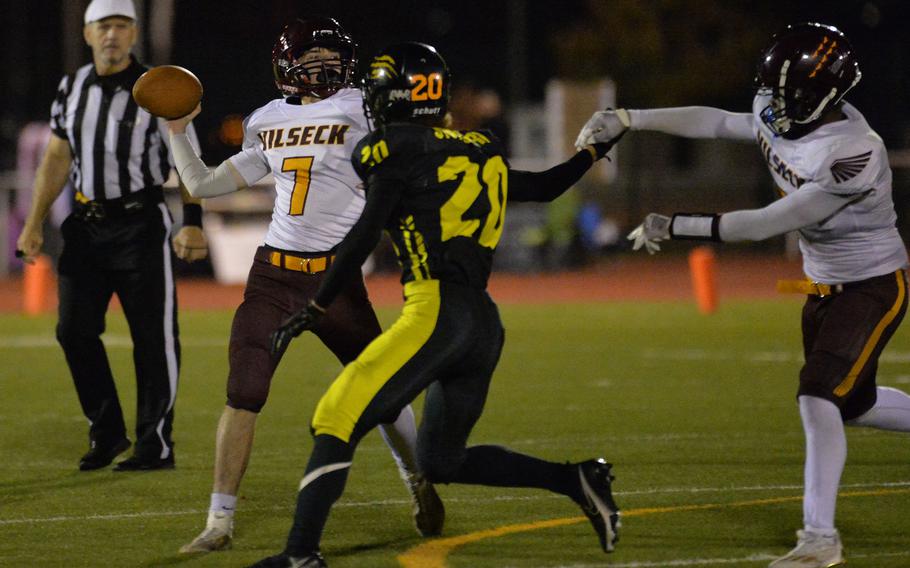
433 554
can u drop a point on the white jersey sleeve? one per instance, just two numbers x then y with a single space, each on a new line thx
250 162
190 134
694 122
808 206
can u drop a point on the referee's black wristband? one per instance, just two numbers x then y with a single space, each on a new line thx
695 226
192 215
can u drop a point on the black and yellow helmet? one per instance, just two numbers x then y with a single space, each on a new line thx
406 82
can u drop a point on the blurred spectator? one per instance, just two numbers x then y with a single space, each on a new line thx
33 139
475 108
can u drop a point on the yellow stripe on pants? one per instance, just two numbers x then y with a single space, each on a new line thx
847 384
342 405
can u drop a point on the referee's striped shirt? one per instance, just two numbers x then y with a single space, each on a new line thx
118 148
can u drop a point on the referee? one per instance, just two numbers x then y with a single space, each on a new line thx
117 241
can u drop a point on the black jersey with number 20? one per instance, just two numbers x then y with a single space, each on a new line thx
452 208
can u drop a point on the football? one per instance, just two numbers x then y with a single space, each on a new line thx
168 91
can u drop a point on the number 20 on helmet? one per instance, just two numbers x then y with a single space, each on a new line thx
406 82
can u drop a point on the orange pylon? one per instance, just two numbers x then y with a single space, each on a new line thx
704 282
37 285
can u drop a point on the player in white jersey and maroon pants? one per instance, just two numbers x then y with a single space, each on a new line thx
305 140
832 172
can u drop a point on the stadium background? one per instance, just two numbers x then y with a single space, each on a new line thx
505 56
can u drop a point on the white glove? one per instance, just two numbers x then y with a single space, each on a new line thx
654 229
603 126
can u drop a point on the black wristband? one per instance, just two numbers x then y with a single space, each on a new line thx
192 215
695 226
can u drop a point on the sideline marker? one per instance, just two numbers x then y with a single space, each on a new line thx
37 281
704 283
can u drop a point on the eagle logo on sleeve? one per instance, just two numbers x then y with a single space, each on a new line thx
848 168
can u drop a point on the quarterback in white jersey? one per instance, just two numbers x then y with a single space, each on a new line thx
308 150
305 139
833 177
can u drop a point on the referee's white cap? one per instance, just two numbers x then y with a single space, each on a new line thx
100 9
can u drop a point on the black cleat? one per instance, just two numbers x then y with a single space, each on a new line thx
282 560
101 455
135 463
598 505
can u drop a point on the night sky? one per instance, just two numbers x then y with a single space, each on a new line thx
228 44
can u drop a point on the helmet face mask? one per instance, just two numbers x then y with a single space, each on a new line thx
406 82
313 57
794 109
317 66
806 71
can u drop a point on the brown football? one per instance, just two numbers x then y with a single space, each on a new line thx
168 91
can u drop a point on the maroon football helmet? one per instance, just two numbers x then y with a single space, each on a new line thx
299 74
807 69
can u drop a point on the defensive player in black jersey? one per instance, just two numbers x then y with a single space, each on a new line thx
441 195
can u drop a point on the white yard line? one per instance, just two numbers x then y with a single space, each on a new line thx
390 502
715 561
795 356
889 355
110 340
680 562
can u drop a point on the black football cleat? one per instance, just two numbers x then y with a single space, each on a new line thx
135 463
282 560
598 504
101 455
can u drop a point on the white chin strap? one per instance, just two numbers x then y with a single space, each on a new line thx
831 97
820 108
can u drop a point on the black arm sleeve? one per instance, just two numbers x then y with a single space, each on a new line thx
549 184
382 198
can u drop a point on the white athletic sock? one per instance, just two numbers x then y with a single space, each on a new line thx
826 453
891 411
223 503
401 437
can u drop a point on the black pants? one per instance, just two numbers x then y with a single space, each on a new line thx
131 256
447 342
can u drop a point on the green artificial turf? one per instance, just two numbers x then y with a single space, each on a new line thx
692 410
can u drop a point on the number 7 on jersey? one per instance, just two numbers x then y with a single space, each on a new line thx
301 166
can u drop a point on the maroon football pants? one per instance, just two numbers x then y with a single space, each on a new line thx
272 294
844 335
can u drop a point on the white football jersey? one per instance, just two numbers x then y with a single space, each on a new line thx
846 158
308 150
